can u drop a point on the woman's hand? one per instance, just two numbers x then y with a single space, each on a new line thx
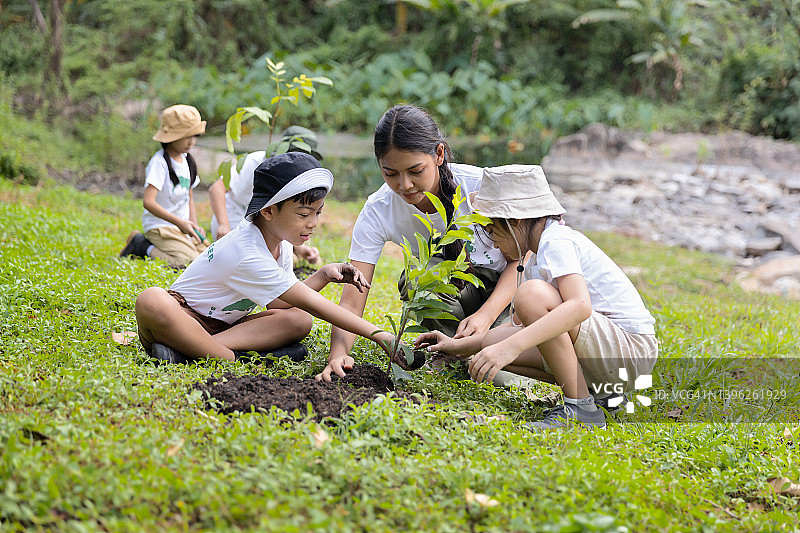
485 364
477 323
345 273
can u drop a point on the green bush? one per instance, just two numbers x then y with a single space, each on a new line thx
762 85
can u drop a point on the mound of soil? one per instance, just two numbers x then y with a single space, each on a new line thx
328 399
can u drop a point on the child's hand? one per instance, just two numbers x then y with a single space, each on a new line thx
336 366
485 364
309 253
191 229
222 230
346 273
434 341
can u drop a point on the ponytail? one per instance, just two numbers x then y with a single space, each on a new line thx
189 161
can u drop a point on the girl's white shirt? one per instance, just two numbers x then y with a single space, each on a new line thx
235 274
563 250
386 217
173 198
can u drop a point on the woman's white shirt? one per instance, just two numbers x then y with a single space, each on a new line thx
386 217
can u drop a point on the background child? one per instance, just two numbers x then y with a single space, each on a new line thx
229 204
206 312
171 231
577 318
414 158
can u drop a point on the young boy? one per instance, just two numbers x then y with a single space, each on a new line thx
206 312
229 204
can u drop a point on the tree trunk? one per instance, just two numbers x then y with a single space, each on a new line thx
401 18
38 18
52 88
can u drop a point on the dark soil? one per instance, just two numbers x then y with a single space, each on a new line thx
302 272
328 399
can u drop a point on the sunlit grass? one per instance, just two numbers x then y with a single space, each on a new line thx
93 436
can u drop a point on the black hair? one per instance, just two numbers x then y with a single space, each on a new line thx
409 128
189 161
306 197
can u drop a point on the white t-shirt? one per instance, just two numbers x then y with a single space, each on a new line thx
173 198
240 190
235 274
387 217
562 251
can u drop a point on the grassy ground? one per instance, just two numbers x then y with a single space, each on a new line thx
93 436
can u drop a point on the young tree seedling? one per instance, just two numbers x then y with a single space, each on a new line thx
289 91
428 276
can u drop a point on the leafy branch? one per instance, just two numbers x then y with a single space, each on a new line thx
301 86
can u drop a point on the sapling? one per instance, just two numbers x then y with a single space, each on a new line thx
428 276
289 91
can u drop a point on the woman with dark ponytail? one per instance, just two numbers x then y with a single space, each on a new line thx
414 158
171 231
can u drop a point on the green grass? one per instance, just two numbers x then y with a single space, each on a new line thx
95 437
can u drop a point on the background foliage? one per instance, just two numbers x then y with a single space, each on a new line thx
530 70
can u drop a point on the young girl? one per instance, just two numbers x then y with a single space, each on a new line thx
171 231
414 158
577 319
207 310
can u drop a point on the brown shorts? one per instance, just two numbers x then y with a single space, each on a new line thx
210 324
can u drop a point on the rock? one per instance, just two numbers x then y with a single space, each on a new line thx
770 271
789 233
762 246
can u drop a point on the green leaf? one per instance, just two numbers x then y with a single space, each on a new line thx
391 321
262 114
322 80
438 205
474 218
408 353
424 250
454 235
425 220
416 329
470 278
447 289
224 172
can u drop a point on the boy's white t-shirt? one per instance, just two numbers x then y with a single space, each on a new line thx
387 217
240 190
173 198
235 274
562 251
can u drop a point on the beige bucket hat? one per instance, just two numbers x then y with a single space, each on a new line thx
515 191
179 121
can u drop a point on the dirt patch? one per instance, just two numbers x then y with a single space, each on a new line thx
303 271
328 399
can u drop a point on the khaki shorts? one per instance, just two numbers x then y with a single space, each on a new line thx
210 324
179 248
603 348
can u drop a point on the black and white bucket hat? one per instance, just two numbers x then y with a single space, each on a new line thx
283 176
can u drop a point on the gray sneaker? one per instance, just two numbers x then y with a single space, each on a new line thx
561 416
